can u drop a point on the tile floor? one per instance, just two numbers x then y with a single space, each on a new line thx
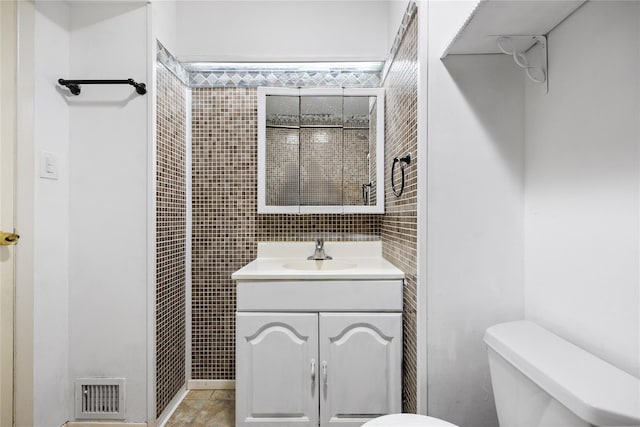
205 408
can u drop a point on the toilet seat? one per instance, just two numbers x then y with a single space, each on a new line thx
407 420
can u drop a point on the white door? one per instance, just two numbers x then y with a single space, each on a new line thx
7 238
276 369
360 363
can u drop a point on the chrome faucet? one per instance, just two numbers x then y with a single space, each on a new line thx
319 254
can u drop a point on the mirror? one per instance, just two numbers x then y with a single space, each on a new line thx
318 150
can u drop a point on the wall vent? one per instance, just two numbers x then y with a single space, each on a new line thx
100 398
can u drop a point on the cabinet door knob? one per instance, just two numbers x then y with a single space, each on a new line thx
324 371
313 370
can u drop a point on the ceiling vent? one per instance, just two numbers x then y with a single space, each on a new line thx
100 398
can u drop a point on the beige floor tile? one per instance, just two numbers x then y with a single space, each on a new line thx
208 409
224 395
199 394
224 418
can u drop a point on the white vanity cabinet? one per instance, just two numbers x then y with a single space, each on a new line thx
316 363
276 369
360 364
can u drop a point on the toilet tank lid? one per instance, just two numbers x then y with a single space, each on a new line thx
593 389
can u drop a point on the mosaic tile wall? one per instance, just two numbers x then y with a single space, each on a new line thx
224 193
226 226
399 224
282 228
171 236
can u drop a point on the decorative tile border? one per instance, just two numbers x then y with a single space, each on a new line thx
266 74
283 78
165 57
412 8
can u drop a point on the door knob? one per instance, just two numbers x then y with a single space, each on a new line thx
8 239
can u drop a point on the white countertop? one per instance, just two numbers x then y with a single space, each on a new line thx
357 261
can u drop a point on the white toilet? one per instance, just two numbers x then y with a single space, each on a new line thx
541 380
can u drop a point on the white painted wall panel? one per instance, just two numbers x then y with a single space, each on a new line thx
164 23
51 401
396 11
474 216
582 184
108 204
282 30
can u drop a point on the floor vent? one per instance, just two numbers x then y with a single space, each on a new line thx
100 398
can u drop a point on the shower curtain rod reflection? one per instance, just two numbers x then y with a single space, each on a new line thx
74 85
317 127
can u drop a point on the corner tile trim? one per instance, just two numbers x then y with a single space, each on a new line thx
165 58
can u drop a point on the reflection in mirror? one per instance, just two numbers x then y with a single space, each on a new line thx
321 150
359 175
283 171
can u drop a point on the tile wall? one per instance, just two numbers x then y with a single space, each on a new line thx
171 210
226 226
224 193
399 224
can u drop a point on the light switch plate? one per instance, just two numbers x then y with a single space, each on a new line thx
48 165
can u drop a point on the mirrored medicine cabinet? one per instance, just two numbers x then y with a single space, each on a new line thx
320 150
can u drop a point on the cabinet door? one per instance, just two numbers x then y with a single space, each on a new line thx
360 367
276 369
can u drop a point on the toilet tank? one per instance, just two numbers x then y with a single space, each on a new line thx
541 380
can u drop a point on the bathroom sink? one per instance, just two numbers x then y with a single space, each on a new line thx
321 265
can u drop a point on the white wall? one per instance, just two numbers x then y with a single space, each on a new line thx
108 199
582 183
282 30
164 23
474 216
395 13
87 247
51 398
